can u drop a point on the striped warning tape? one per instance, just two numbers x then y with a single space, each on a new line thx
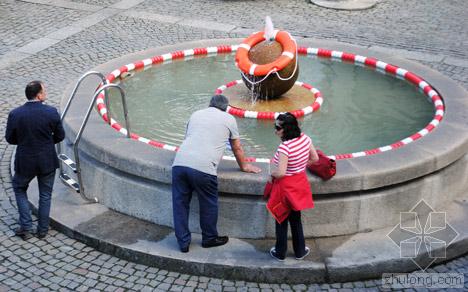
242 113
349 57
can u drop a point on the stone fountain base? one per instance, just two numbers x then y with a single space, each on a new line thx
332 259
347 230
296 98
368 193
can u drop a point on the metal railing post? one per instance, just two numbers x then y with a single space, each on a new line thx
70 99
83 125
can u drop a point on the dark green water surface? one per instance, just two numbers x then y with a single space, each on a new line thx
362 109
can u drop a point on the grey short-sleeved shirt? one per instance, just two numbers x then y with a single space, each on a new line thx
207 132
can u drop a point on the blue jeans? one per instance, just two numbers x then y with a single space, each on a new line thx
20 186
185 181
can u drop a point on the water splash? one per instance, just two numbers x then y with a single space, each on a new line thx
269 29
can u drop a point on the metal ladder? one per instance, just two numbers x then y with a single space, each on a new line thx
74 165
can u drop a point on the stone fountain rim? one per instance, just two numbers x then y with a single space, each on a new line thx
446 144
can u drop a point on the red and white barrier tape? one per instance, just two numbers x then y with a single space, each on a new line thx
242 113
347 57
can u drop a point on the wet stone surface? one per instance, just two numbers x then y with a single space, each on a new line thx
109 226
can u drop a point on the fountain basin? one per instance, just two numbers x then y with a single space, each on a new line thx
367 193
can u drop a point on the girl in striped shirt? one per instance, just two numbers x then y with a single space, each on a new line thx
291 189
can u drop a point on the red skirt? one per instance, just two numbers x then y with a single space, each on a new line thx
289 193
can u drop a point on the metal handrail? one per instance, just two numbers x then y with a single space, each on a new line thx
103 86
83 125
72 96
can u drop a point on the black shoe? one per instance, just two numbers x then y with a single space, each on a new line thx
220 240
184 249
275 255
306 253
23 233
41 235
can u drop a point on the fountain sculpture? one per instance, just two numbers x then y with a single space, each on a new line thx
268 62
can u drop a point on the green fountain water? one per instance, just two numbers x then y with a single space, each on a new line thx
362 109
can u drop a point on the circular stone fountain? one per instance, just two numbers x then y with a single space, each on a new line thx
369 191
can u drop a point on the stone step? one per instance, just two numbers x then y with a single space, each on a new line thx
332 259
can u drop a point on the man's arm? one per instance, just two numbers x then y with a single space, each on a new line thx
10 133
58 133
240 158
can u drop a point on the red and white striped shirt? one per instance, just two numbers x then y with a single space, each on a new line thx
297 151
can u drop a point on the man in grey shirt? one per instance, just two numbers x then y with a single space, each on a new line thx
195 170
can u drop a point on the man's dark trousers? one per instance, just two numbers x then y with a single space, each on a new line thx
185 181
20 186
35 128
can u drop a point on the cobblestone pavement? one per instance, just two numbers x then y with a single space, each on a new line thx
58 40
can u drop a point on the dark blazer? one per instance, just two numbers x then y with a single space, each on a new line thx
35 128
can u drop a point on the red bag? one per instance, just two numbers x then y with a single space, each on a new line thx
325 167
267 190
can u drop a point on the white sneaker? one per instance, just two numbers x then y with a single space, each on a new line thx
307 251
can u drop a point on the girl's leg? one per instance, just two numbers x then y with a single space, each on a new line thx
297 234
281 239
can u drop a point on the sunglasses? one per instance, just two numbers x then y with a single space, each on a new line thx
278 128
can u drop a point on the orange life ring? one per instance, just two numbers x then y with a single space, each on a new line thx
242 56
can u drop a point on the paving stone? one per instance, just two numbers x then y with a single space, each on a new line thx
151 276
121 276
113 288
336 285
140 274
228 283
154 283
90 282
152 270
128 271
147 289
118 283
301 287
215 287
176 288
179 282
369 283
164 286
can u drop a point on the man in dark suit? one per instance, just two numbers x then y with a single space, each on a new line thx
35 128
